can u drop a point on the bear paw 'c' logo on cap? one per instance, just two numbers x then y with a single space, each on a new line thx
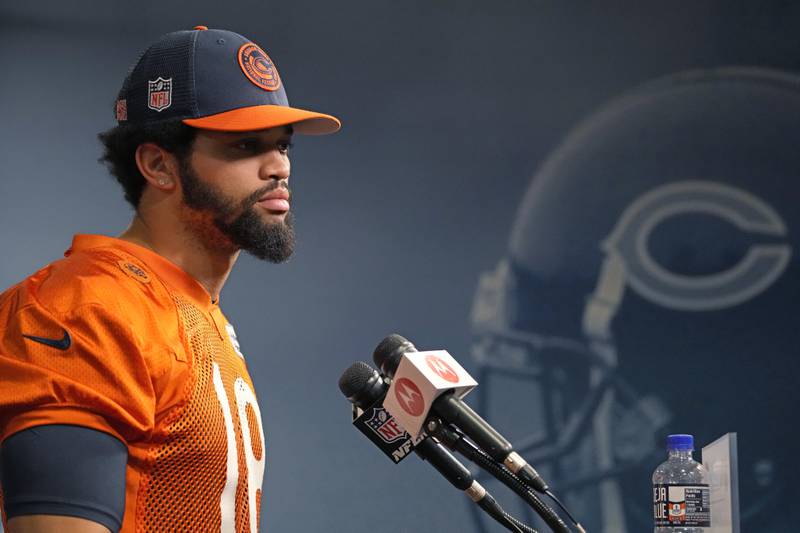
258 67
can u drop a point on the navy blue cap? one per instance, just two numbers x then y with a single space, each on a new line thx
680 442
212 79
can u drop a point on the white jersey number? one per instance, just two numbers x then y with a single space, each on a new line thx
255 467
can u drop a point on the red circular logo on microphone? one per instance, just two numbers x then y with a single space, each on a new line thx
441 368
409 397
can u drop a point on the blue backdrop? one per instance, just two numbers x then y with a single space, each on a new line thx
522 140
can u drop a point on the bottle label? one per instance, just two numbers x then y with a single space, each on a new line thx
688 504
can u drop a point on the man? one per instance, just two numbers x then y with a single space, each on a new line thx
126 403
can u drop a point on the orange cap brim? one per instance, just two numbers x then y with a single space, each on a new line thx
261 117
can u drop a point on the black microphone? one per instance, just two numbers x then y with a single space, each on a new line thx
453 410
364 387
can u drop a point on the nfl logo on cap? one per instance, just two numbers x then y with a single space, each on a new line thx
159 93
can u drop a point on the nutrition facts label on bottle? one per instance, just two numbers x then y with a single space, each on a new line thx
684 505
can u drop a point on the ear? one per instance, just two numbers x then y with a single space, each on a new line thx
158 166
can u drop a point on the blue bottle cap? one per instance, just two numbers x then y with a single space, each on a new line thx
680 442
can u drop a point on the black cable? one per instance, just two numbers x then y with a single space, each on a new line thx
521 525
454 440
493 509
547 492
553 497
433 452
514 483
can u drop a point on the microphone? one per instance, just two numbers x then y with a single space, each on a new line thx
398 358
362 385
365 388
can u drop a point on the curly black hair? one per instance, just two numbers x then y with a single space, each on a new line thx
120 150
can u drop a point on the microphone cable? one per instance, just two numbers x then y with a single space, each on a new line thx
493 509
454 440
561 505
432 451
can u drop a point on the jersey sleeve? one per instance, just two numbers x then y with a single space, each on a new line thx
83 367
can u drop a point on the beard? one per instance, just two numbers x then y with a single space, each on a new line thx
213 218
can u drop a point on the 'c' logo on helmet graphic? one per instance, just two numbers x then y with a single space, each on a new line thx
258 67
409 397
754 273
441 368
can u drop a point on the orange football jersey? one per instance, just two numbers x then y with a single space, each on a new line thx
137 349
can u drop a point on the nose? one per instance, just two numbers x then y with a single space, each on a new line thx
275 166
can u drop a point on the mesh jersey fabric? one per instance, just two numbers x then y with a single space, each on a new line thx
152 361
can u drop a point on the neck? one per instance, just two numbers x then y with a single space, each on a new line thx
209 265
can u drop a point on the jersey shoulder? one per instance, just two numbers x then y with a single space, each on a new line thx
122 285
103 276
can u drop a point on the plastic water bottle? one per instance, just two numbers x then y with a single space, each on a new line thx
681 497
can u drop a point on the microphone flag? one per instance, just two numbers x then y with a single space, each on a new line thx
420 378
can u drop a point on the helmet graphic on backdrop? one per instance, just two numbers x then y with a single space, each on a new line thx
651 285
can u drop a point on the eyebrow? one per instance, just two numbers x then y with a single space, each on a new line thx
225 136
288 129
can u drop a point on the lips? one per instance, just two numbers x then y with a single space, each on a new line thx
277 200
275 205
